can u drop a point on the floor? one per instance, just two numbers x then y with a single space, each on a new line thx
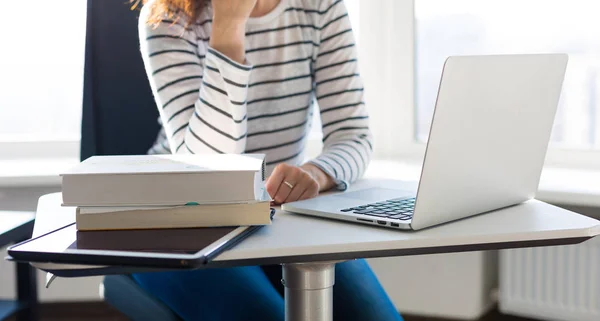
99 311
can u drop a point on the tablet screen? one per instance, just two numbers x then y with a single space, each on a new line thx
167 241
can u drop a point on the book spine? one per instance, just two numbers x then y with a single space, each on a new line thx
263 169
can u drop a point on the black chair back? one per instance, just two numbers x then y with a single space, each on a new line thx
119 113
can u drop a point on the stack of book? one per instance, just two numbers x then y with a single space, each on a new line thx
167 191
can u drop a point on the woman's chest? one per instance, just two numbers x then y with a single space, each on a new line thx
282 74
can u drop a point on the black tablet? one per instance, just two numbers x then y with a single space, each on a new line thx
161 248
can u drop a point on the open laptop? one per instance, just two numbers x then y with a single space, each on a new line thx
487 144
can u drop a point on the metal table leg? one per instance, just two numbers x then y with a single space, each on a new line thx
309 291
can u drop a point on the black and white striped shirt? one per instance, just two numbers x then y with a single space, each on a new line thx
302 51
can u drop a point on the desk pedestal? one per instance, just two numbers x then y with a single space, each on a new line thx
309 291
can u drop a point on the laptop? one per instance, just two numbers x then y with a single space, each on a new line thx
486 148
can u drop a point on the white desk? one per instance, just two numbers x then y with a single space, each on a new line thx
302 244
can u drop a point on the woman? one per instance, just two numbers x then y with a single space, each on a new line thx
240 76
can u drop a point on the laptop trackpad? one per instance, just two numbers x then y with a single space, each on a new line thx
375 194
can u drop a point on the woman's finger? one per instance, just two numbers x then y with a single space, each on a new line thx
310 192
275 180
289 182
303 182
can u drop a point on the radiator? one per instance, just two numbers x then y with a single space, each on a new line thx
560 283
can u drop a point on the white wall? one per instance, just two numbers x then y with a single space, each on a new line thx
457 286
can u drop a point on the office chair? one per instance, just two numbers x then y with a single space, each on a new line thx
119 117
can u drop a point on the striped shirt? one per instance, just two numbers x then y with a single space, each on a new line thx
300 58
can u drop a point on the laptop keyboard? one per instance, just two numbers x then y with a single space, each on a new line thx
398 208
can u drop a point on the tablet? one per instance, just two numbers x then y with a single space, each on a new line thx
161 248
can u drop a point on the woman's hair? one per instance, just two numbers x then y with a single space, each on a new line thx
190 10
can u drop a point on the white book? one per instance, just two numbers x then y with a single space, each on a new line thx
165 180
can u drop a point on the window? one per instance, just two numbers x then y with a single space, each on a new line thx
42 78
404 43
402 46
458 27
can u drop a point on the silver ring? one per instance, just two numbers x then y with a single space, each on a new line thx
290 185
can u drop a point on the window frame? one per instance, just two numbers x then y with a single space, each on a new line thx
388 70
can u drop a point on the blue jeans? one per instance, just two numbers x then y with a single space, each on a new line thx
254 293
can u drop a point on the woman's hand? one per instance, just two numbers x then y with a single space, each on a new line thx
233 10
229 27
290 183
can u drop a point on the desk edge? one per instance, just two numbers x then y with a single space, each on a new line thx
346 256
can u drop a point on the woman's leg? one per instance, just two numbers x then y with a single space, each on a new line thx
274 273
232 294
357 294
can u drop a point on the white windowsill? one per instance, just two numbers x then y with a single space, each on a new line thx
558 185
34 172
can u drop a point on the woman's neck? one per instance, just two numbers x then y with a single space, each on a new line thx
263 7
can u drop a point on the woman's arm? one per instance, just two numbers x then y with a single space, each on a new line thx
202 104
347 138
